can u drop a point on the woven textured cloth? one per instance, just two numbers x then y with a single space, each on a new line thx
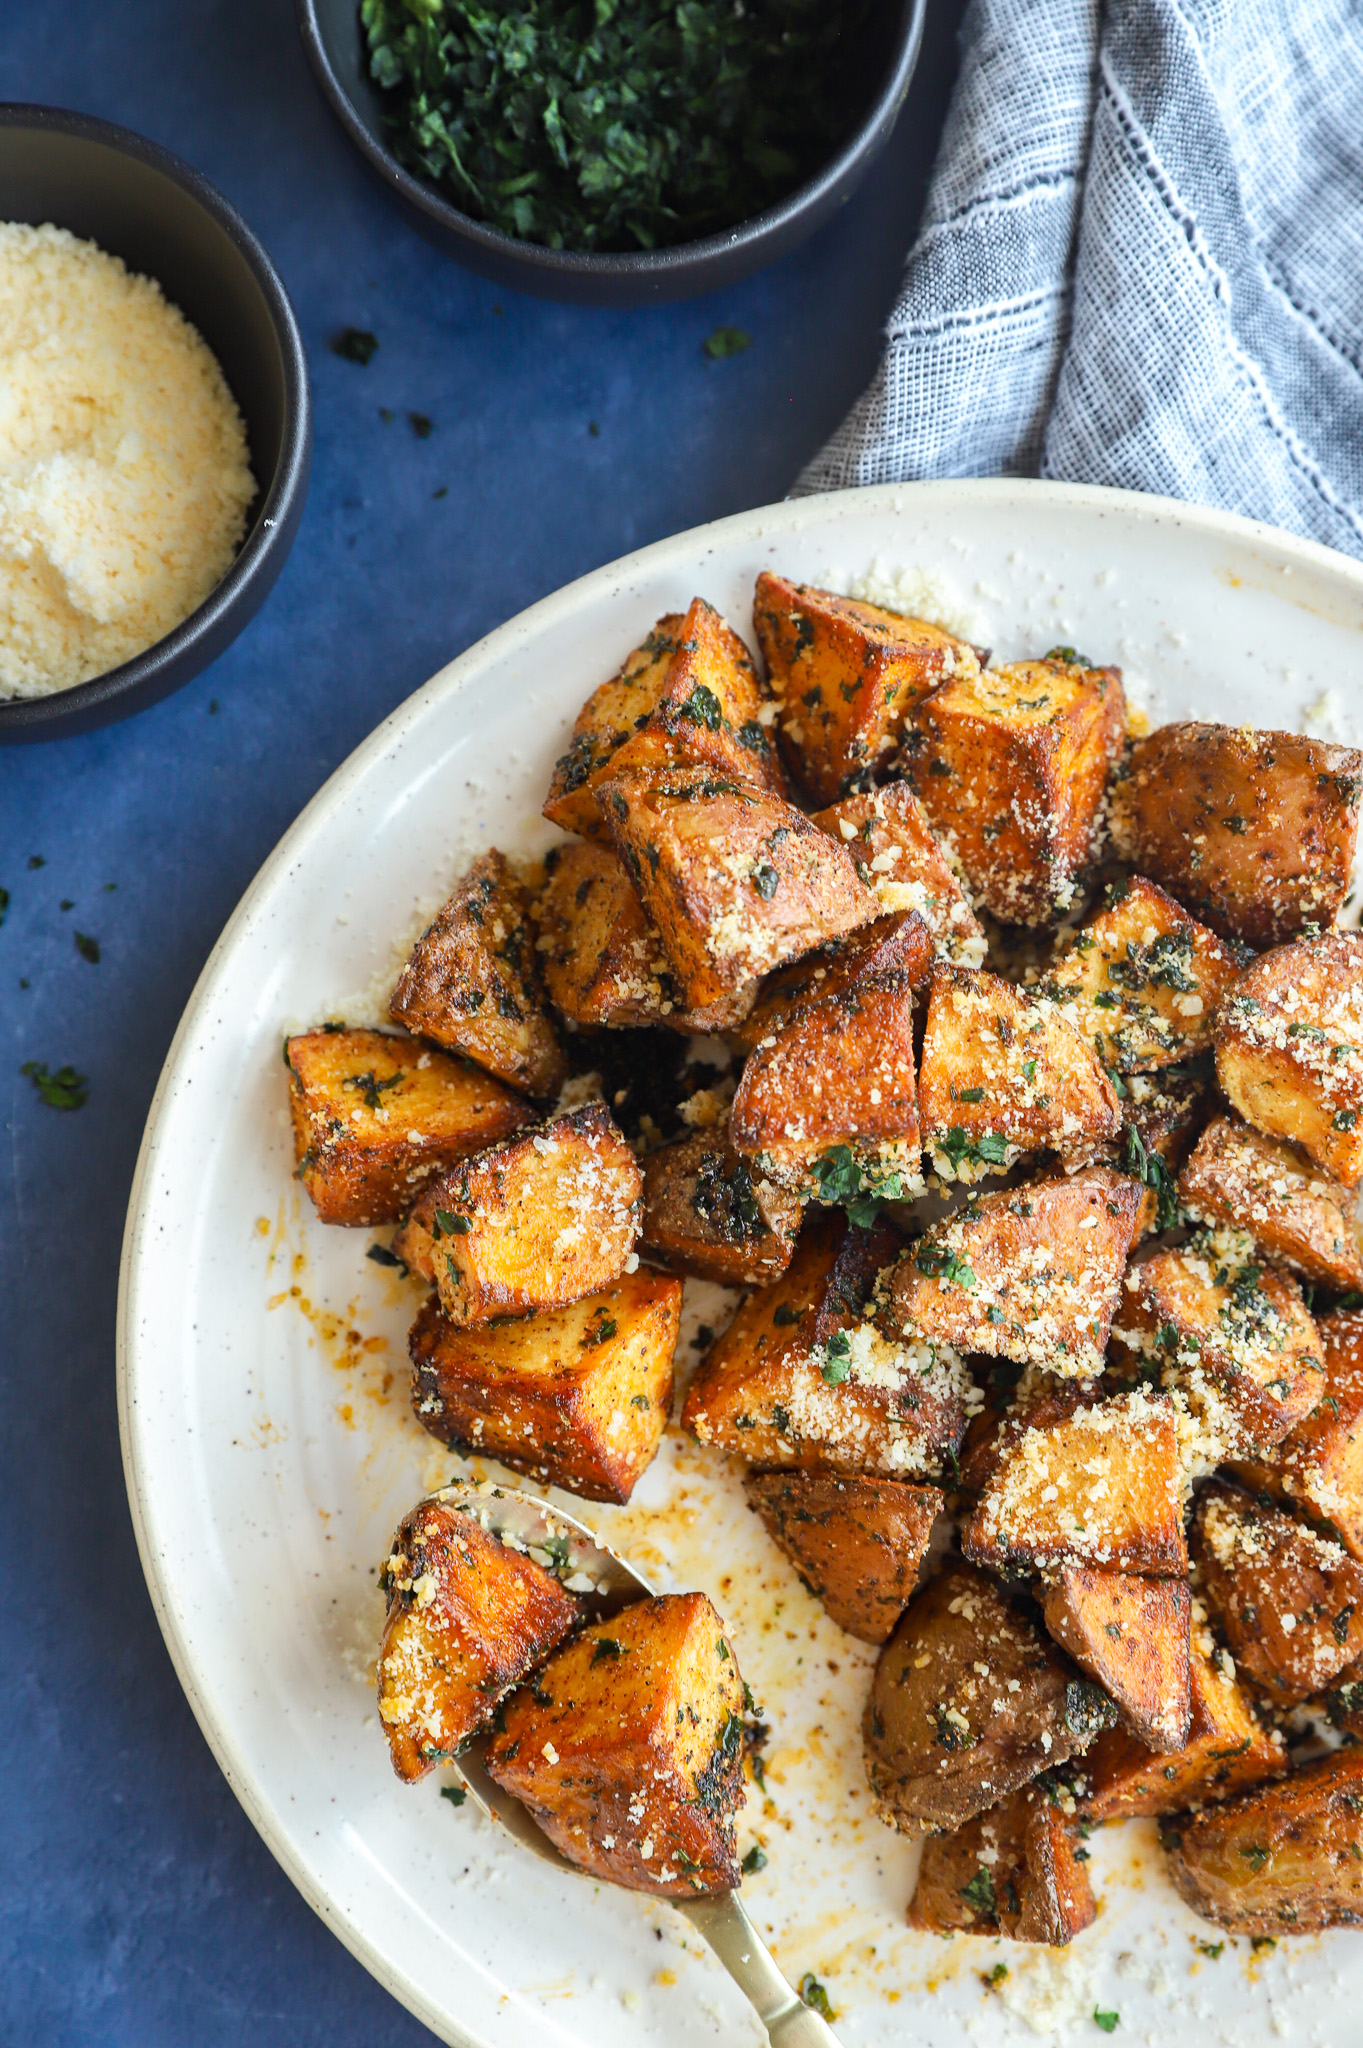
1141 263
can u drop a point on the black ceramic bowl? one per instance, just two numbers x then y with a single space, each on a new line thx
139 202
331 35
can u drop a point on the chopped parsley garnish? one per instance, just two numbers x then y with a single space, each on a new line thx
936 1264
66 1089
755 1860
1255 1856
727 1201
607 1650
355 345
726 341
979 1893
814 1996
1145 1165
837 1358
420 424
87 947
1108 2021
456 1794
372 1090
600 1332
989 1149
703 707
766 880
381 1256
447 1223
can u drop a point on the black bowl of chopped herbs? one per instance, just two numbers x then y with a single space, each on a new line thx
616 151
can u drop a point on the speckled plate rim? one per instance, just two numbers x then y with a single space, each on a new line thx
793 516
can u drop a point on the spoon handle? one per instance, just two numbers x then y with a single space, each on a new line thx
789 2022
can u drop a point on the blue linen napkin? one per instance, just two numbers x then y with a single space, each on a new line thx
1141 263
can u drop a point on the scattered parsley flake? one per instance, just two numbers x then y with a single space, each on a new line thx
66 1089
355 345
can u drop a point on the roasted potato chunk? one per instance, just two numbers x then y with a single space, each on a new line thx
1290 1602
1297 1218
1012 765
945 1736
467 1620
1031 1273
1131 1635
531 1224
1101 1486
828 1102
856 1542
1318 1466
803 1376
689 693
601 959
902 944
847 676
375 1117
1226 1750
471 983
901 861
1141 981
736 881
1010 1871
1234 1339
1253 831
1289 1049
1002 1074
1287 1859
628 1749
707 1214
578 1397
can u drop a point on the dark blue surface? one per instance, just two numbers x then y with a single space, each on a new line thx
136 1903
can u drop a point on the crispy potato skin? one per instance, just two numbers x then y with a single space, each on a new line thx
1022 1855
1287 1859
1011 765
1253 831
601 959
736 881
1297 1218
548 1217
1289 1049
705 1213
1037 1508
848 675
763 1393
1318 1466
1142 980
943 1742
900 859
614 711
903 944
856 1542
1002 1065
578 1397
630 1758
472 985
1226 1751
1243 1350
375 1117
1290 1602
1131 1635
1031 1273
467 1619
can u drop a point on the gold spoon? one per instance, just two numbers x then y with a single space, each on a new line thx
607 1582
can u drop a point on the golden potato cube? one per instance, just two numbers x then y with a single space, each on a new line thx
1318 1465
1164 1111
471 983
847 675
900 859
1031 1273
1289 1601
969 1701
578 1397
856 1542
736 881
1103 1486
1234 1340
612 714
1289 1049
1287 1859
375 1117
1003 1074
1132 1636
903 943
1226 1750
1253 831
705 1213
803 1376
467 1620
601 960
531 1224
1012 766
1142 980
1297 1218
828 1101
628 1749
1011 1871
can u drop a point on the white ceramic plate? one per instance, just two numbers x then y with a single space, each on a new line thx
268 1442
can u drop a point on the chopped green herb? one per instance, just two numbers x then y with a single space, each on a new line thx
1255 1855
448 1224
36 860
766 880
814 1996
755 1860
1108 2021
1213 1950
935 1264
703 707
996 1975
355 344
381 1256
456 1794
606 1650
88 948
972 1094
66 1089
979 1893
726 341
600 1332
783 1315
420 424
